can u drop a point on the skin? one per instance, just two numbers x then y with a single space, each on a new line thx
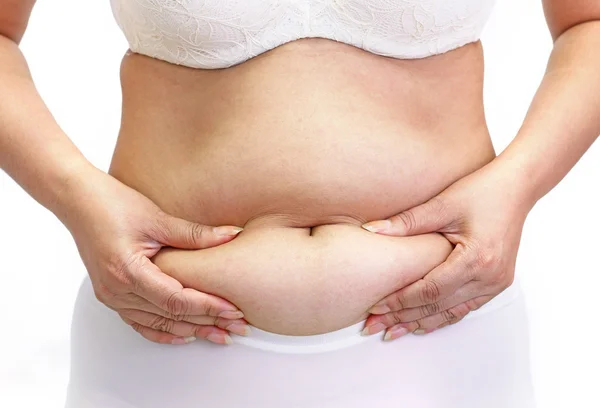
300 297
301 173
59 176
561 124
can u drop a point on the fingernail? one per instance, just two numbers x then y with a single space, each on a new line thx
227 231
376 328
237 328
420 332
219 338
377 226
380 309
230 314
183 340
395 333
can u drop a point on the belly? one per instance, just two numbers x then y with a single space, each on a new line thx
288 281
301 146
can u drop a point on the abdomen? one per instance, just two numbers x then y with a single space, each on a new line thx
301 146
287 281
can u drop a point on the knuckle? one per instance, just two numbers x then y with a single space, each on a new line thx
196 232
408 219
456 313
458 319
487 258
431 309
137 327
449 315
418 324
177 305
430 291
505 278
209 309
201 331
472 304
175 317
124 316
510 279
395 318
396 301
462 310
102 293
162 324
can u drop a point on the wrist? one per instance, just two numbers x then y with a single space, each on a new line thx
515 180
70 191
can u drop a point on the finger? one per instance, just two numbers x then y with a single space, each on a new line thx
149 323
469 291
157 336
395 332
453 314
443 281
237 326
432 323
430 216
418 332
377 323
159 323
135 302
421 332
424 312
168 294
179 233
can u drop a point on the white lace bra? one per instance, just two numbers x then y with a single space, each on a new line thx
221 33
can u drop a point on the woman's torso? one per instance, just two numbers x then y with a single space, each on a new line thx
301 145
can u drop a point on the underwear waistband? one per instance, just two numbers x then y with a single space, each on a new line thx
350 335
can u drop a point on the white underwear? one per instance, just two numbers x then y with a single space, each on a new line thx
483 361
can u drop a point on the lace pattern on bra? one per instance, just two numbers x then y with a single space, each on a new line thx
221 33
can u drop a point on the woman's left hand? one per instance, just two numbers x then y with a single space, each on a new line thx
482 214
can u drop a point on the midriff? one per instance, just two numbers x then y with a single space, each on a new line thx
300 146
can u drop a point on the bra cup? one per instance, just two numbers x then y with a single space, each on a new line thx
214 34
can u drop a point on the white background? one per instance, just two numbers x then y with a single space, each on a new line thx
74 49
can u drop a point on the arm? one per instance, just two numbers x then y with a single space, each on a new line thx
34 150
483 213
564 117
117 230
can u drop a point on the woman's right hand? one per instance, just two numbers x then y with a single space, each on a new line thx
117 230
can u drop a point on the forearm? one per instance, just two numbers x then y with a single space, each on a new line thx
34 150
564 117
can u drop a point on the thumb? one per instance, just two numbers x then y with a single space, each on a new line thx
178 233
430 216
